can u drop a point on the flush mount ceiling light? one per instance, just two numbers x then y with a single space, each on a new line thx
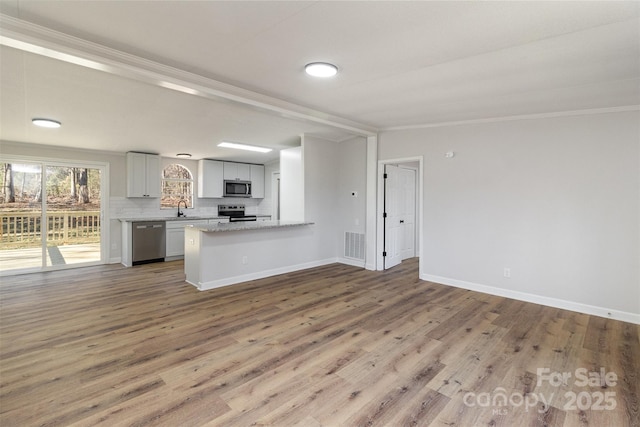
321 69
183 155
46 123
244 147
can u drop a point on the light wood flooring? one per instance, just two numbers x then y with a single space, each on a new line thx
330 346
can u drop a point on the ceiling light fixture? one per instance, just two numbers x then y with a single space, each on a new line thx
321 69
46 123
237 146
183 155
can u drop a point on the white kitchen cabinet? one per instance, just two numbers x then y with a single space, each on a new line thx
210 178
175 242
175 235
237 171
257 181
143 175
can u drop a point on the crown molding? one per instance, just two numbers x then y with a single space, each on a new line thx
518 117
40 40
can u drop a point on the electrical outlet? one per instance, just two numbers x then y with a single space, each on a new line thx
507 272
244 260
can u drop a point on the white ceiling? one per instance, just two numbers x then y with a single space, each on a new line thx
402 64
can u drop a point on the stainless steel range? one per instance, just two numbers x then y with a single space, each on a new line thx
235 213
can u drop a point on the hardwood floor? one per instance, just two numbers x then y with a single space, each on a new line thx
329 346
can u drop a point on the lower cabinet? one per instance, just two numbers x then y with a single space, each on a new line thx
175 235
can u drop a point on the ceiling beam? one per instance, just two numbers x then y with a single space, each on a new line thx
36 39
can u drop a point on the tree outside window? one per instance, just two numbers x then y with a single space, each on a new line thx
177 185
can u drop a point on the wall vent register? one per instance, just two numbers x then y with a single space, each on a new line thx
354 245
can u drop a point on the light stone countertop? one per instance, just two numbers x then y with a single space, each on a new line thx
172 218
248 225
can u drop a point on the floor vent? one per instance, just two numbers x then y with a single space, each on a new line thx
353 245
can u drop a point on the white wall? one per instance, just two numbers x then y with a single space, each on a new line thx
556 200
351 173
316 184
320 186
292 185
267 205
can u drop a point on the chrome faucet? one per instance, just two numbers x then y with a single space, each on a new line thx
185 206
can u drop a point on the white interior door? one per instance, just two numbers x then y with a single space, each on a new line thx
393 235
407 204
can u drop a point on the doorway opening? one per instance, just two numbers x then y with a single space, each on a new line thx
400 211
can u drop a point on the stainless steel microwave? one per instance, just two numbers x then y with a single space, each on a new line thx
237 188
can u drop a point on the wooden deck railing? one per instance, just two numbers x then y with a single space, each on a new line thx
22 229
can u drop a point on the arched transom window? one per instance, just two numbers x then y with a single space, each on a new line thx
177 185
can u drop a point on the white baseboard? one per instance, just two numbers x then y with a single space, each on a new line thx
353 262
115 260
537 299
205 286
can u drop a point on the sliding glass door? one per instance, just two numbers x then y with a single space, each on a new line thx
51 216
21 216
73 215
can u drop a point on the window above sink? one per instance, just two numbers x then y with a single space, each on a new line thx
177 186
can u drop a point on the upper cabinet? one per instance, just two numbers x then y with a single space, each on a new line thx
237 171
257 181
213 173
210 178
143 175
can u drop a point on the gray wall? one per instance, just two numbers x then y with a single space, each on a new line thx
556 200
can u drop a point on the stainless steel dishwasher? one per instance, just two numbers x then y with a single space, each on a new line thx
148 241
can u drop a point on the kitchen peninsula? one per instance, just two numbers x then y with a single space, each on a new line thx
224 254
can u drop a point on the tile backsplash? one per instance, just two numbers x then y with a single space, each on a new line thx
123 207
